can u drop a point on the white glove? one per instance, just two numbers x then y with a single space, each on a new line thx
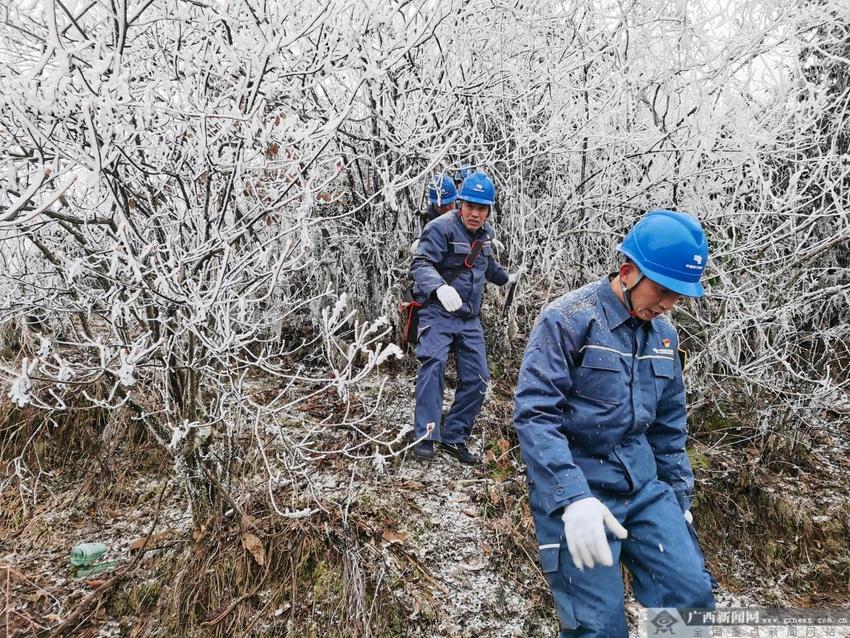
499 245
449 298
584 528
514 276
414 245
689 518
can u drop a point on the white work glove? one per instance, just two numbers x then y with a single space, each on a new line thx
414 245
689 518
584 528
449 298
499 245
514 276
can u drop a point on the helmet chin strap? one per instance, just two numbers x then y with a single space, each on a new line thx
627 295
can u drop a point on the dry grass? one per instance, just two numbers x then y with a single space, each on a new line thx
41 451
266 575
779 503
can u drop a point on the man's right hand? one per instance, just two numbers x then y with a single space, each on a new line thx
584 528
449 298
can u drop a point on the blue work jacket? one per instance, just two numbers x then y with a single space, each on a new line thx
430 214
600 402
443 247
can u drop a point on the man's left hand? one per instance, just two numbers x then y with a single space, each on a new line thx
689 518
514 276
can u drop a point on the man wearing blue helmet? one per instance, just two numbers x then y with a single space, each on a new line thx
449 268
461 174
442 196
600 415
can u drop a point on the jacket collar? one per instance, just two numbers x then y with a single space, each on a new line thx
614 309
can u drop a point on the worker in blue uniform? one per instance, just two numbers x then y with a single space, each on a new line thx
442 194
600 415
442 198
453 260
461 174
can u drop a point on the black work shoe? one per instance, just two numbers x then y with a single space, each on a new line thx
424 451
461 453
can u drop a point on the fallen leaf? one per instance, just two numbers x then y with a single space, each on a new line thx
94 583
137 544
255 546
390 537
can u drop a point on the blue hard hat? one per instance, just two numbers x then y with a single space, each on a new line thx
670 249
441 190
462 173
478 188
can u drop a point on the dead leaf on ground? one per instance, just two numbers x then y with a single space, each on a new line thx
390 537
139 543
255 546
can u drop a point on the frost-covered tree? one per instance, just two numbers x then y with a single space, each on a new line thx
190 188
167 186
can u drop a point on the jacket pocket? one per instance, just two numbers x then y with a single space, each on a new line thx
662 371
599 377
549 558
550 565
662 368
423 346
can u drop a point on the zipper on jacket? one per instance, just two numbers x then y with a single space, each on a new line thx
633 380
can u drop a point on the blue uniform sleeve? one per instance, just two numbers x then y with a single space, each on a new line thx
432 249
545 377
495 273
668 436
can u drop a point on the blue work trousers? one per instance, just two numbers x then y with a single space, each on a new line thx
440 332
666 566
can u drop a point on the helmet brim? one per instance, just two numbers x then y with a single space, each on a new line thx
477 200
684 288
444 201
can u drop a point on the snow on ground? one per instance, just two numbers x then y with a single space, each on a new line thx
476 599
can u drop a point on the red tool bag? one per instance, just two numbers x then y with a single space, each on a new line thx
409 312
